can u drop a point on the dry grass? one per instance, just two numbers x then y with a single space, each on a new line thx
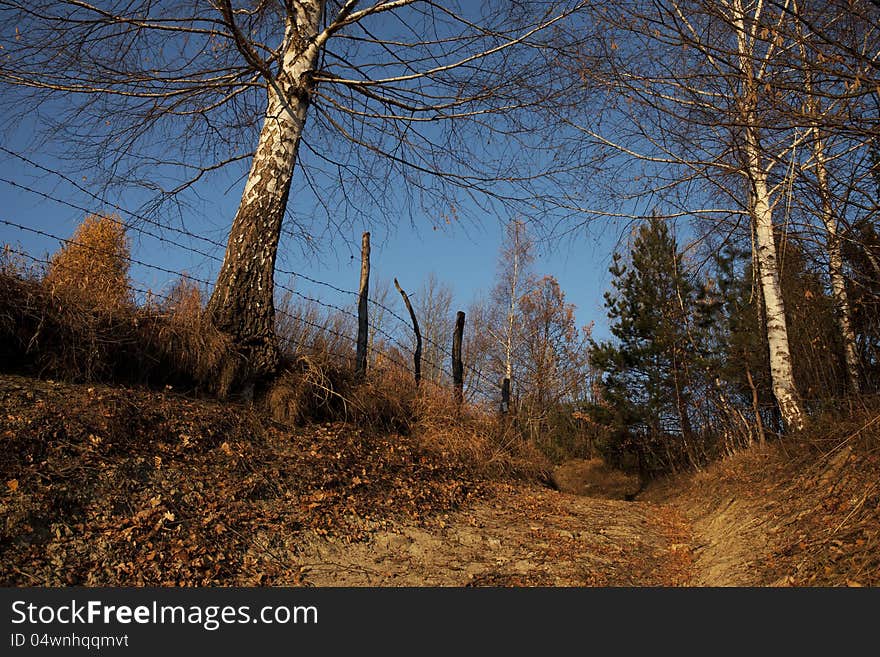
593 477
179 334
77 321
314 387
803 511
474 437
54 330
50 325
319 388
92 269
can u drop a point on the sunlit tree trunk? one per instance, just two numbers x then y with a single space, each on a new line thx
517 253
833 244
835 269
242 302
781 371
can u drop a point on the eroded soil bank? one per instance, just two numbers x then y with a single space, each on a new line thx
112 486
776 516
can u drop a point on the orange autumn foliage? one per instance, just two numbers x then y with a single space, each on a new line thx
93 266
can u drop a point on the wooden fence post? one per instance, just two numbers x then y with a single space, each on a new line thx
457 365
417 356
363 307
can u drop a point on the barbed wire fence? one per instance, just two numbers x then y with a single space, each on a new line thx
478 384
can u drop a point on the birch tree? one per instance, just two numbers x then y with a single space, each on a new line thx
338 106
754 58
689 122
836 48
828 217
515 280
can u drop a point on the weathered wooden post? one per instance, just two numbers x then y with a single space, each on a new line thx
363 308
457 365
417 356
505 395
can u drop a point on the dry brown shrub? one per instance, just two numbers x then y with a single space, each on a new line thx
178 333
595 478
13 263
21 301
92 268
386 400
48 330
473 436
314 387
319 386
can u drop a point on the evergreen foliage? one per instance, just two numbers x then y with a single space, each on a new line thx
646 383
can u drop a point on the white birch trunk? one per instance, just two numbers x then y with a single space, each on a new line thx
781 372
835 270
511 311
829 220
511 318
242 303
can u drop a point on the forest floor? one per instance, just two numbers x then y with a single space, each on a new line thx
118 486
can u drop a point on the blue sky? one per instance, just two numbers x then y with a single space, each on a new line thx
463 256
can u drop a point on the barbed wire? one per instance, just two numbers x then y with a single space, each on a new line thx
189 276
207 283
181 231
445 350
149 294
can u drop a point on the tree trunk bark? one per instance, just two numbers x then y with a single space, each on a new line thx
833 245
835 269
781 372
457 364
683 416
756 408
505 395
363 310
242 303
511 312
417 355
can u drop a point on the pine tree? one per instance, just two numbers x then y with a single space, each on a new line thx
645 385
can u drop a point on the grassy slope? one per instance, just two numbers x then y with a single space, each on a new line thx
805 512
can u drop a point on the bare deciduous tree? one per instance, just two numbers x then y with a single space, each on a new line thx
688 111
389 103
515 280
433 303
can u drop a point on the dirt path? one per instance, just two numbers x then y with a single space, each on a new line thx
540 537
736 521
760 518
729 542
110 486
522 537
